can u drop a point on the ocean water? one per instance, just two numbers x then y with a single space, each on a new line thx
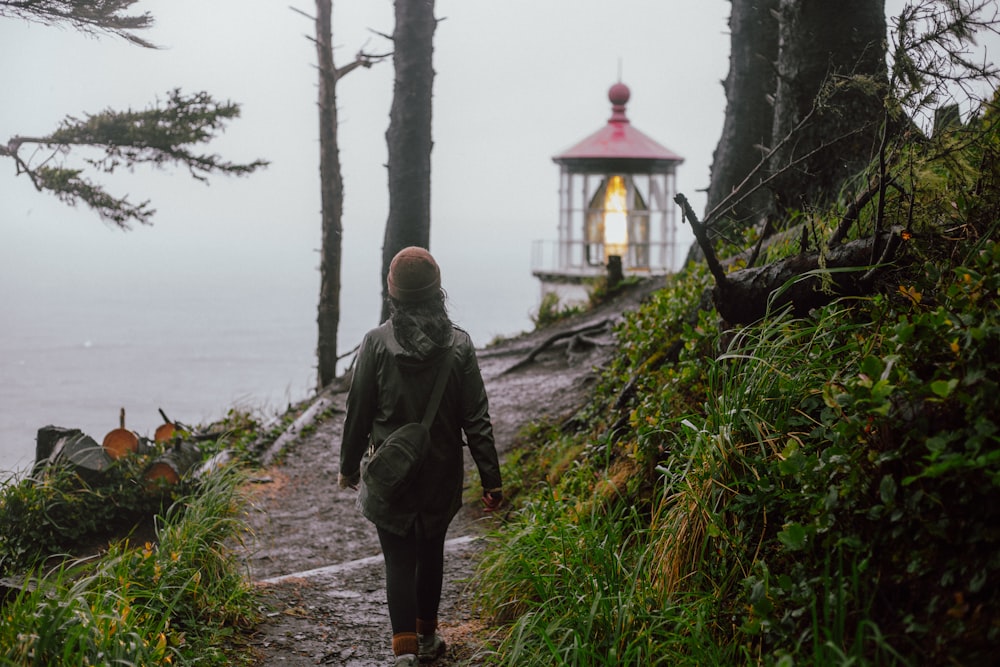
194 356
77 356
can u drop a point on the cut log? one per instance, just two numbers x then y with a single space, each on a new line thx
164 432
71 447
120 441
805 281
47 439
171 466
169 428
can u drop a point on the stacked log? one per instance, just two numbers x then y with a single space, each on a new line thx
175 463
70 447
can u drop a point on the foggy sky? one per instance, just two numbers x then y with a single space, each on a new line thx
516 82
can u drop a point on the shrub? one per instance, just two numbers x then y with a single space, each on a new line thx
173 600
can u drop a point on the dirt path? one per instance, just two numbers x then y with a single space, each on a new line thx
317 559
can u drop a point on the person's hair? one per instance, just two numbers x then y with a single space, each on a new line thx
429 316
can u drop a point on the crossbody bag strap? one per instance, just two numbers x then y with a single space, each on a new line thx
442 379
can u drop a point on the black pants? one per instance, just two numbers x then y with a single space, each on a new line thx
414 572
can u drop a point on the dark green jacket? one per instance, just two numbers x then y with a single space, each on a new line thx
391 388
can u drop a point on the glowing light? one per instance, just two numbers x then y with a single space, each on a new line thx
615 217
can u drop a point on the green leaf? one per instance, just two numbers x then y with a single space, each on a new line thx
904 331
833 397
944 388
793 536
872 367
887 489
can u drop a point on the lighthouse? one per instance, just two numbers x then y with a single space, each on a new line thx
616 190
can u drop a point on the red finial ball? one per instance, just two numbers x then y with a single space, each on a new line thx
619 94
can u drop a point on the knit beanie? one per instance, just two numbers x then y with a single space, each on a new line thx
413 275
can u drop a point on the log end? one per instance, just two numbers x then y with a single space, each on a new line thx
164 432
119 443
162 472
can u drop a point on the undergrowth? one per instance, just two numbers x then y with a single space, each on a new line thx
108 568
59 510
816 490
178 599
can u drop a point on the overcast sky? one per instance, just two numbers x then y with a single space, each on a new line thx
517 82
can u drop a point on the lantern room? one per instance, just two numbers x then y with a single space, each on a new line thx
616 210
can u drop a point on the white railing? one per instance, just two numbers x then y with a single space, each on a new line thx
583 259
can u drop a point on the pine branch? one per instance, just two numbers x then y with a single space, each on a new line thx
156 136
71 188
90 16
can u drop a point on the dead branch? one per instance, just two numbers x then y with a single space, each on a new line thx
854 210
701 237
739 195
361 60
765 233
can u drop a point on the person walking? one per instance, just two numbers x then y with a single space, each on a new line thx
397 366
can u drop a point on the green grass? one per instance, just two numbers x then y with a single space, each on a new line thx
580 592
177 600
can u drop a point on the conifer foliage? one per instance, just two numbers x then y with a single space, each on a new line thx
167 132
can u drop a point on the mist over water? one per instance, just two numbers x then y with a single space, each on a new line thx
75 355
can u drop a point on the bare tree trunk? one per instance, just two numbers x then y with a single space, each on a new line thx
750 86
804 103
831 63
332 198
409 134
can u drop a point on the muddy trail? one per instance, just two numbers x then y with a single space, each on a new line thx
317 560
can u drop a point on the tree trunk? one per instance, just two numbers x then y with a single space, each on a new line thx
409 135
831 70
331 197
746 131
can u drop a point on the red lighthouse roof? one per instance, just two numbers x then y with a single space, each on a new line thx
618 145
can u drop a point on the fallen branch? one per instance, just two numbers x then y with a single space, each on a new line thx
804 282
588 328
319 405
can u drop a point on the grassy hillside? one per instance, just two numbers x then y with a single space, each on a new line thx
805 490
